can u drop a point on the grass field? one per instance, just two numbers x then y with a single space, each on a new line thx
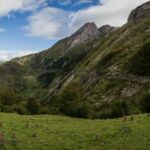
63 133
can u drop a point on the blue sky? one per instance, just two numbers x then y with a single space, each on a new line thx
28 26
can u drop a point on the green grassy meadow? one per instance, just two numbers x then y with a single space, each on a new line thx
64 133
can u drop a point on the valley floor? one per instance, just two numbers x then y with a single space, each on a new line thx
64 133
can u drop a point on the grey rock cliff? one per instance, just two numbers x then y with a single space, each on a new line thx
140 12
85 34
105 30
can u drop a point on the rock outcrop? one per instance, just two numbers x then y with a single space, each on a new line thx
140 12
105 30
85 34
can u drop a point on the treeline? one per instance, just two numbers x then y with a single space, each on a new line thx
71 102
10 102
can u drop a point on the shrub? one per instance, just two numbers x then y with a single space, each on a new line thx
8 109
144 102
72 103
104 114
114 110
33 106
8 97
69 99
20 109
1 107
140 63
44 110
46 78
82 110
119 109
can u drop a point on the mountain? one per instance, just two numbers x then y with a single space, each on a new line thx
84 35
58 62
108 65
140 13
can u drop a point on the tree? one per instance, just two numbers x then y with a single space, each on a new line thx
70 100
144 102
33 106
8 97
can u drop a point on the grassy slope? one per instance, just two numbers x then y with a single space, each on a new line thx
62 133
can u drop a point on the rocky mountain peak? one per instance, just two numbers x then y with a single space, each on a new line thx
140 12
85 34
106 29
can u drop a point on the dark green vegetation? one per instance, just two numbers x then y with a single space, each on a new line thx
63 133
104 76
140 64
12 103
144 102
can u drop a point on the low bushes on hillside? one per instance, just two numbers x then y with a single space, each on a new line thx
144 102
46 78
72 103
114 110
12 103
140 63
33 106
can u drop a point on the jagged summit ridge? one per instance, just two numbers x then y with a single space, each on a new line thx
86 33
140 12
106 29
89 32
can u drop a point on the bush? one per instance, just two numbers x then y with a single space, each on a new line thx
82 110
8 97
46 78
72 103
69 99
144 102
20 109
104 114
44 110
140 63
119 109
114 110
33 106
8 109
1 107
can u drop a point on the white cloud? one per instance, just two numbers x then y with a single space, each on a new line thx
8 6
8 55
48 23
2 30
113 12
80 2
65 2
72 2
54 23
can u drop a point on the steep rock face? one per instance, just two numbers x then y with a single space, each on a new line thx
85 34
140 12
106 29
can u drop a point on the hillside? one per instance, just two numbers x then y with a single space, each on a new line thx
62 133
105 64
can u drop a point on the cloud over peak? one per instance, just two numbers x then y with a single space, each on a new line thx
48 23
52 23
